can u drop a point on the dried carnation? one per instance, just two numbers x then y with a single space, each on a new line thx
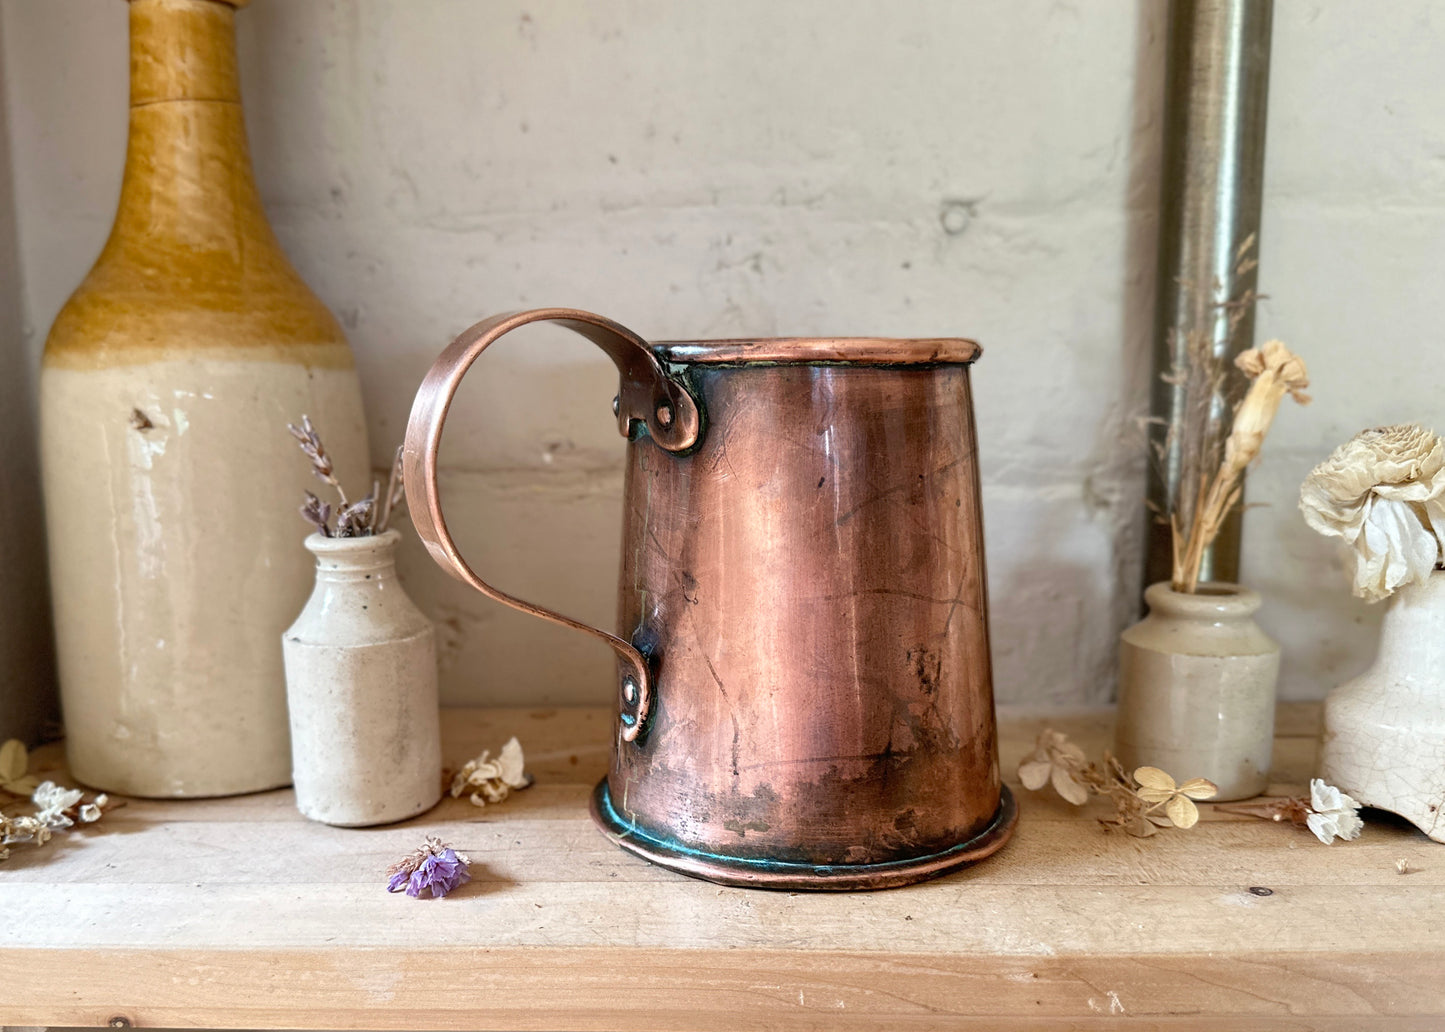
1333 814
433 866
1327 812
52 803
1383 494
492 780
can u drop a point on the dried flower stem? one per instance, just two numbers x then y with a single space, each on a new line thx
1275 371
1220 425
395 493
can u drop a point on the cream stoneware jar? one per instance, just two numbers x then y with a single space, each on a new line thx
1384 733
361 681
170 482
1196 689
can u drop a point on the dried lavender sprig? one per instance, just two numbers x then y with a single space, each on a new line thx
355 519
310 442
317 513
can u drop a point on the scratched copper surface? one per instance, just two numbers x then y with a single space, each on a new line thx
810 586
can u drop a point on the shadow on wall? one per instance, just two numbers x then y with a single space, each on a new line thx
1123 447
28 705
532 489
1038 602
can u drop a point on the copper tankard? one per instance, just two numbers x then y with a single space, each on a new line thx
805 693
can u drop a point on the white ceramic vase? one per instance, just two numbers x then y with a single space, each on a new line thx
1196 689
1384 732
361 682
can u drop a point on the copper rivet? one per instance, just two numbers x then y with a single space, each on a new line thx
664 416
629 691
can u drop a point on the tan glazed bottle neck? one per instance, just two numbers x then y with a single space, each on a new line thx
182 50
188 184
191 265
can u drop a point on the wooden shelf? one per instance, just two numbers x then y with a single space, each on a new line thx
239 913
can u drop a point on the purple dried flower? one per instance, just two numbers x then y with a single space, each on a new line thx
434 865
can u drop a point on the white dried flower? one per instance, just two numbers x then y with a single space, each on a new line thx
51 801
1058 760
492 780
1333 814
1383 494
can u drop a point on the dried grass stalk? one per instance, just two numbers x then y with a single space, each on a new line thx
1274 371
1216 440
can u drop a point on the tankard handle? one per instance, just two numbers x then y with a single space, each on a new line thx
648 396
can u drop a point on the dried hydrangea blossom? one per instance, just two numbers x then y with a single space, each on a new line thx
1136 799
1055 759
433 866
1383 494
1155 787
492 780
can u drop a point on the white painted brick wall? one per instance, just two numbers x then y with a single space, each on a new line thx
814 167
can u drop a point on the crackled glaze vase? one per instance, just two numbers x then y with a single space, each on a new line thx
361 680
171 485
1384 732
1196 689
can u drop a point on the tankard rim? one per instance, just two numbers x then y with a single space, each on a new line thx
869 351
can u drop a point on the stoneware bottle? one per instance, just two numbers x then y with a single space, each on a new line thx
1196 689
171 485
1384 733
361 678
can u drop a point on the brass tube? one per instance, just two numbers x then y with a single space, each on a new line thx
1209 206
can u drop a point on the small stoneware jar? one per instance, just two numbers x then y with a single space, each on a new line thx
1196 689
361 682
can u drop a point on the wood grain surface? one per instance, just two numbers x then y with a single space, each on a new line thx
239 913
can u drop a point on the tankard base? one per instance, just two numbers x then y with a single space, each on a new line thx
772 874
